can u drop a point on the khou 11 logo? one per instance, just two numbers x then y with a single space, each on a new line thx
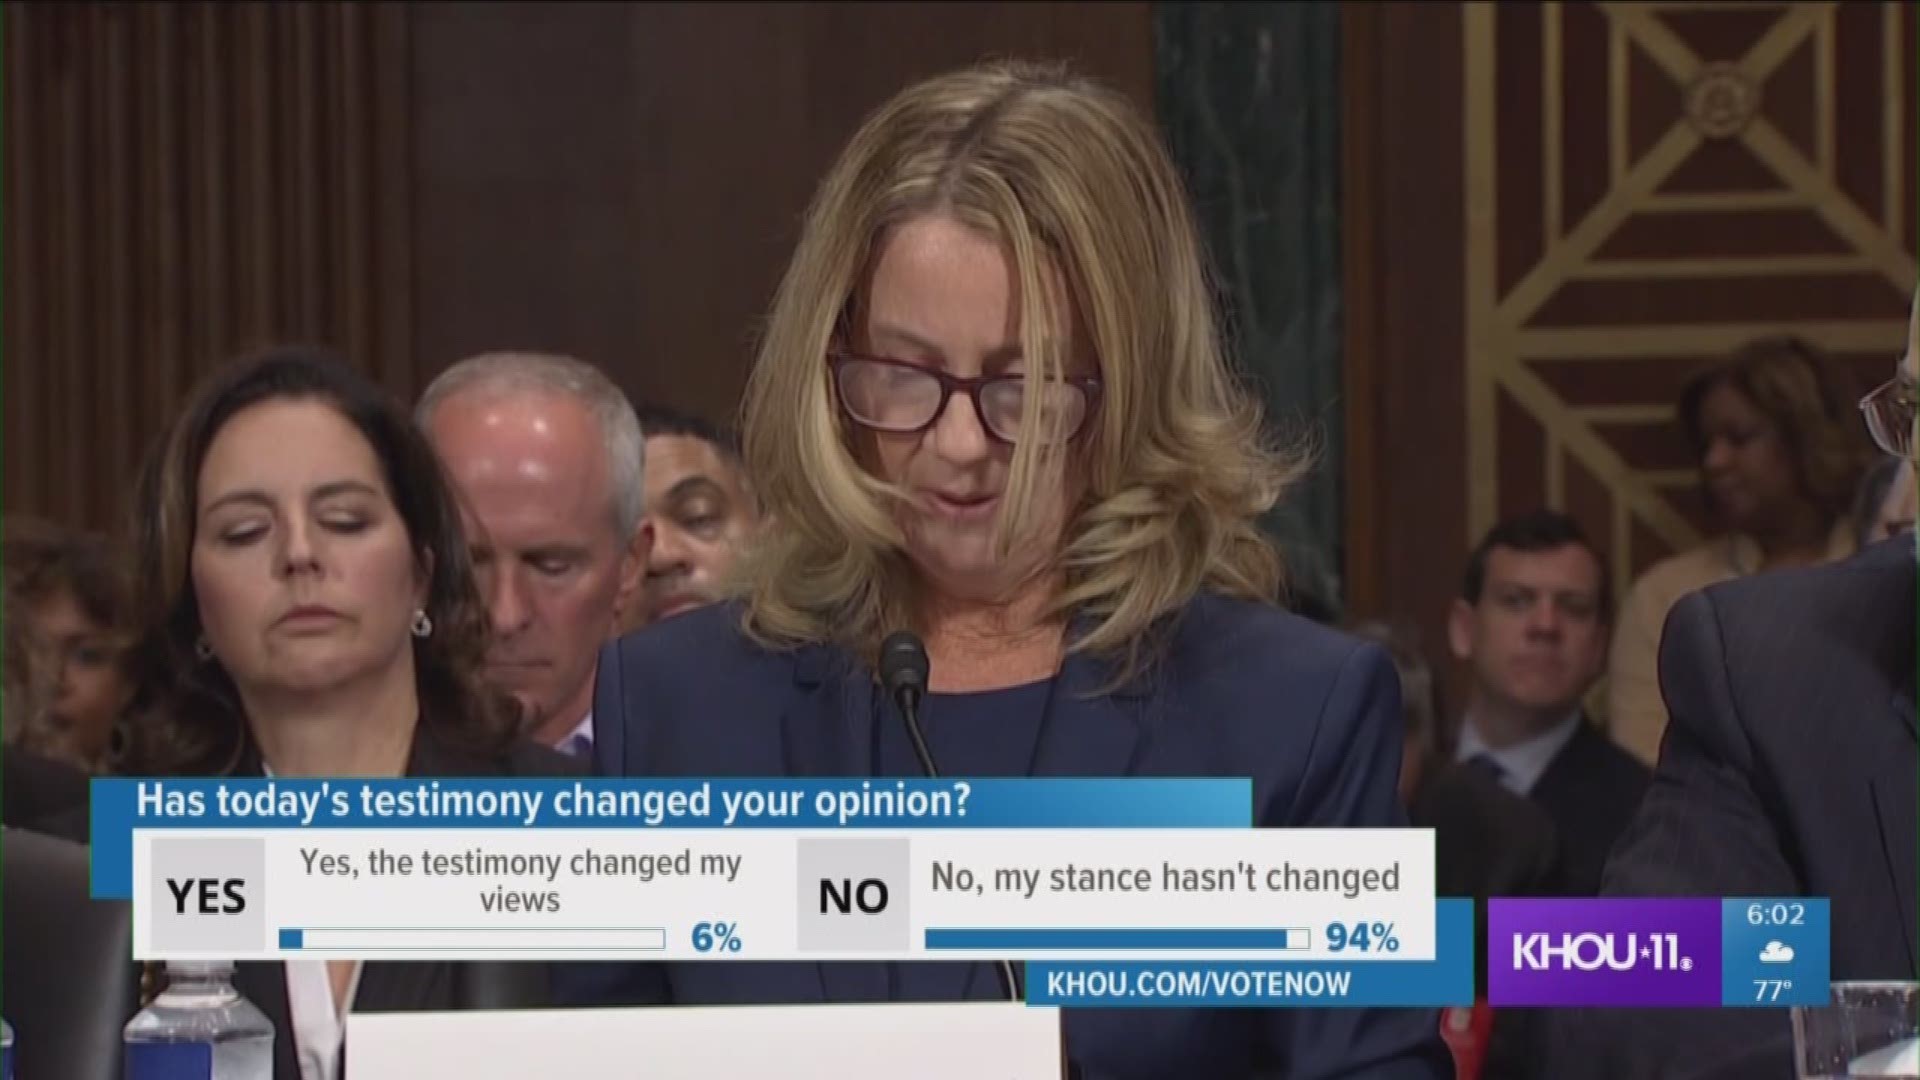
1603 952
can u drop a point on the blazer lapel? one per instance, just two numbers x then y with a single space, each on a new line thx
825 733
609 747
1897 654
1894 794
403 986
1092 729
1095 726
1894 785
433 755
264 982
1895 791
1903 710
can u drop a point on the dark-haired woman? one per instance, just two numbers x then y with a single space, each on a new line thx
308 610
1781 450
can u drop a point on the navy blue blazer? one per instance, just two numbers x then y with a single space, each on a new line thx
1313 717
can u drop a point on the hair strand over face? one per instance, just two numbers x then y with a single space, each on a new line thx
1072 182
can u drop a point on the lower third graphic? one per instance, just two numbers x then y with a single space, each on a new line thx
1686 952
1603 952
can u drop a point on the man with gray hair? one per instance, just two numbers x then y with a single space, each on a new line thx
546 455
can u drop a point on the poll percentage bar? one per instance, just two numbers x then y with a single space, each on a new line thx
1447 979
1360 895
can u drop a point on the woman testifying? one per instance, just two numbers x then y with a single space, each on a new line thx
309 610
992 408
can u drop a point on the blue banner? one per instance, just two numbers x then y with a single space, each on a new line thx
122 805
1774 951
1447 979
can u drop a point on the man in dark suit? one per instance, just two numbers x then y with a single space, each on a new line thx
1487 842
1532 621
1787 770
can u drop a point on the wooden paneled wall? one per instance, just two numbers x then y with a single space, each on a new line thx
1555 212
625 182
416 182
182 183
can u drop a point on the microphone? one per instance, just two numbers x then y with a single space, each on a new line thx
903 671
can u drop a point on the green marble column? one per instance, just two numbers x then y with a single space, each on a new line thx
1249 97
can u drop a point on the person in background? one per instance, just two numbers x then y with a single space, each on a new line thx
306 609
1788 770
1487 842
1781 456
993 408
548 460
702 507
1531 622
66 599
37 792
1898 512
1875 495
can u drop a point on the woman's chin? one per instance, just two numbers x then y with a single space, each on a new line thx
980 580
315 675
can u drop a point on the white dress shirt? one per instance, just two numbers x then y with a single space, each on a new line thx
1522 763
319 1032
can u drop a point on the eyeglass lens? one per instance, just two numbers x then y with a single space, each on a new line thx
899 398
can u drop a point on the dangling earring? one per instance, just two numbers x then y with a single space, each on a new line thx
422 626
201 649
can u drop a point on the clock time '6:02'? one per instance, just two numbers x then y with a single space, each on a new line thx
1783 914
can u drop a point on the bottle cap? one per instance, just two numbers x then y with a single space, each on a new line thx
200 967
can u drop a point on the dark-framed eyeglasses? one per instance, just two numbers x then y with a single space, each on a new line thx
904 399
1889 409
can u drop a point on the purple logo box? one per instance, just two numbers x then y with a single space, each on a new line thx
1603 952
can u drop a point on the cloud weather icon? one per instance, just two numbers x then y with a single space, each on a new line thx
1776 953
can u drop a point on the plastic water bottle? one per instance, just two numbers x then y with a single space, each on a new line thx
199 1028
6 1050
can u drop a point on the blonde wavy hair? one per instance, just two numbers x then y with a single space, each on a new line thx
1074 184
